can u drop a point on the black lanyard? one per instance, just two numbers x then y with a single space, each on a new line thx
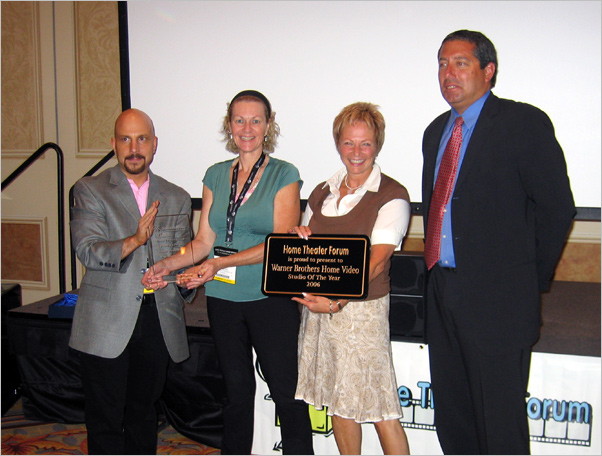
234 205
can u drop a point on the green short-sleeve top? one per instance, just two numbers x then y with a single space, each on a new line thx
254 221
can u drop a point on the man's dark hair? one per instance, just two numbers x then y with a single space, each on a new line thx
484 51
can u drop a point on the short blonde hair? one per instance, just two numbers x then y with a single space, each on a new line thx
271 138
360 112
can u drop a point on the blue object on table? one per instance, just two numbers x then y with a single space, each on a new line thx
63 308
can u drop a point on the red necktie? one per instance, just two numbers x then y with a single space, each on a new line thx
448 168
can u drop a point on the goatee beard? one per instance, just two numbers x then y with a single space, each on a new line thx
138 169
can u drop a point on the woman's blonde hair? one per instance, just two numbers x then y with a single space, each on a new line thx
271 137
360 112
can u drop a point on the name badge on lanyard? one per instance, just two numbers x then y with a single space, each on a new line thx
228 275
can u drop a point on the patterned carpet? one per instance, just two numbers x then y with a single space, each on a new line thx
23 436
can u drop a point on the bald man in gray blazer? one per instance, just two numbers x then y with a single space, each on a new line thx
122 219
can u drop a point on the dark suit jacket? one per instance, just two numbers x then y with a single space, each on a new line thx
511 211
104 214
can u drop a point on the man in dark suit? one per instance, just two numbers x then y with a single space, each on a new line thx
125 334
492 243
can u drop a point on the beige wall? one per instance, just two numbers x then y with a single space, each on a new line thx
580 260
61 84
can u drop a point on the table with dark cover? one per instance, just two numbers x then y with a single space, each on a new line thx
51 388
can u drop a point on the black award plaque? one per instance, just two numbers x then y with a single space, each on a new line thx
331 265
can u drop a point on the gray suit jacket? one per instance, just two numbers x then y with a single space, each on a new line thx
104 214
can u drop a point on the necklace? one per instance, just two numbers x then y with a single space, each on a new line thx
351 188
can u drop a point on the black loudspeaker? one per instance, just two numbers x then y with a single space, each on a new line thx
407 313
11 381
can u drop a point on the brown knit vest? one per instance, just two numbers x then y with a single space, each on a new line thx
360 220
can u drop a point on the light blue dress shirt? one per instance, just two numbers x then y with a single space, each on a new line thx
470 116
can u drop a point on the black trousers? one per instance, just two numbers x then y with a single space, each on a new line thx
479 392
271 327
121 393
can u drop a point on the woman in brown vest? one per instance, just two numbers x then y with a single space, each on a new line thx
345 360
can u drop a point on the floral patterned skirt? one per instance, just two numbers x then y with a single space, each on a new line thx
345 362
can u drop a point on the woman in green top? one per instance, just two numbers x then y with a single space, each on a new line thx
244 200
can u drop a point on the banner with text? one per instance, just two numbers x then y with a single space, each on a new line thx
563 405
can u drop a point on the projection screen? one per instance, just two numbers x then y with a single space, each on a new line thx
311 58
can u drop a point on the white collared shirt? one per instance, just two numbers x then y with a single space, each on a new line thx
393 217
